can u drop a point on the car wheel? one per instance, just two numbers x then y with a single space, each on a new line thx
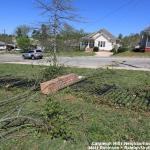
23 57
32 57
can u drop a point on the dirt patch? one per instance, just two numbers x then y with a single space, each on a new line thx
104 54
8 82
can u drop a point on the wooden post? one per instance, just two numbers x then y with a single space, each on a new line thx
88 46
147 46
146 42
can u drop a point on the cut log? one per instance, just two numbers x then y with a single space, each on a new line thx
56 84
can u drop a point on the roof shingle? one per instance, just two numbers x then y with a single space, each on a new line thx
102 31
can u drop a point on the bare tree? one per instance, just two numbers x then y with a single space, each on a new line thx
58 12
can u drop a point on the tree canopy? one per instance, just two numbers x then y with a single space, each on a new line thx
6 38
22 31
131 40
23 43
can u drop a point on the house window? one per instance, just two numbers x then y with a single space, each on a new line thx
91 44
84 43
101 43
148 42
148 38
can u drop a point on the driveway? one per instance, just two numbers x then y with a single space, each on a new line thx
103 54
86 62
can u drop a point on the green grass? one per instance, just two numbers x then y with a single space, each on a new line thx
10 52
133 54
73 53
32 71
100 120
25 71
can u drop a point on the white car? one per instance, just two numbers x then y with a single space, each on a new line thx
33 54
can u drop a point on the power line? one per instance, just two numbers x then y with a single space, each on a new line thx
119 8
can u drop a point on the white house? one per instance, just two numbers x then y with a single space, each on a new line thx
102 40
2 46
145 40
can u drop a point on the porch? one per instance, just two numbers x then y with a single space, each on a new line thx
147 46
88 45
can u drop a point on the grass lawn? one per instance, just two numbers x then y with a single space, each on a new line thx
60 53
133 54
11 52
105 115
73 53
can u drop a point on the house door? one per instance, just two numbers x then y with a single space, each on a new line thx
101 44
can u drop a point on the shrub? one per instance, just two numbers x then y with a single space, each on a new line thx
114 51
123 49
96 49
52 72
58 119
23 43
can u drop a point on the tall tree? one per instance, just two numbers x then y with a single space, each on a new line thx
131 40
6 38
36 34
22 31
58 11
70 37
120 36
42 35
23 43
68 31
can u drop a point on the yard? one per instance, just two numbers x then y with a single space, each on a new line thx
73 53
133 54
110 105
60 53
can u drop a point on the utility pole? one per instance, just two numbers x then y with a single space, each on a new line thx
5 38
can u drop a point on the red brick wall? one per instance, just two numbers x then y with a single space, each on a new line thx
147 49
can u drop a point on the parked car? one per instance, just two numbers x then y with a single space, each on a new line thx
33 54
138 48
18 49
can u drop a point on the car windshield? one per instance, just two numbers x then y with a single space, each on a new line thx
30 51
38 51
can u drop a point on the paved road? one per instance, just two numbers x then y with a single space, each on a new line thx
87 62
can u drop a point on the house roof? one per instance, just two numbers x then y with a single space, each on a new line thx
2 43
103 32
107 33
7 44
147 30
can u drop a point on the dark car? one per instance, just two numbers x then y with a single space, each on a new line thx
33 54
139 48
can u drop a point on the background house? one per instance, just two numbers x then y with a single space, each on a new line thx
5 46
145 40
103 40
2 46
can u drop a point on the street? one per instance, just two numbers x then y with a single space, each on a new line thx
85 62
